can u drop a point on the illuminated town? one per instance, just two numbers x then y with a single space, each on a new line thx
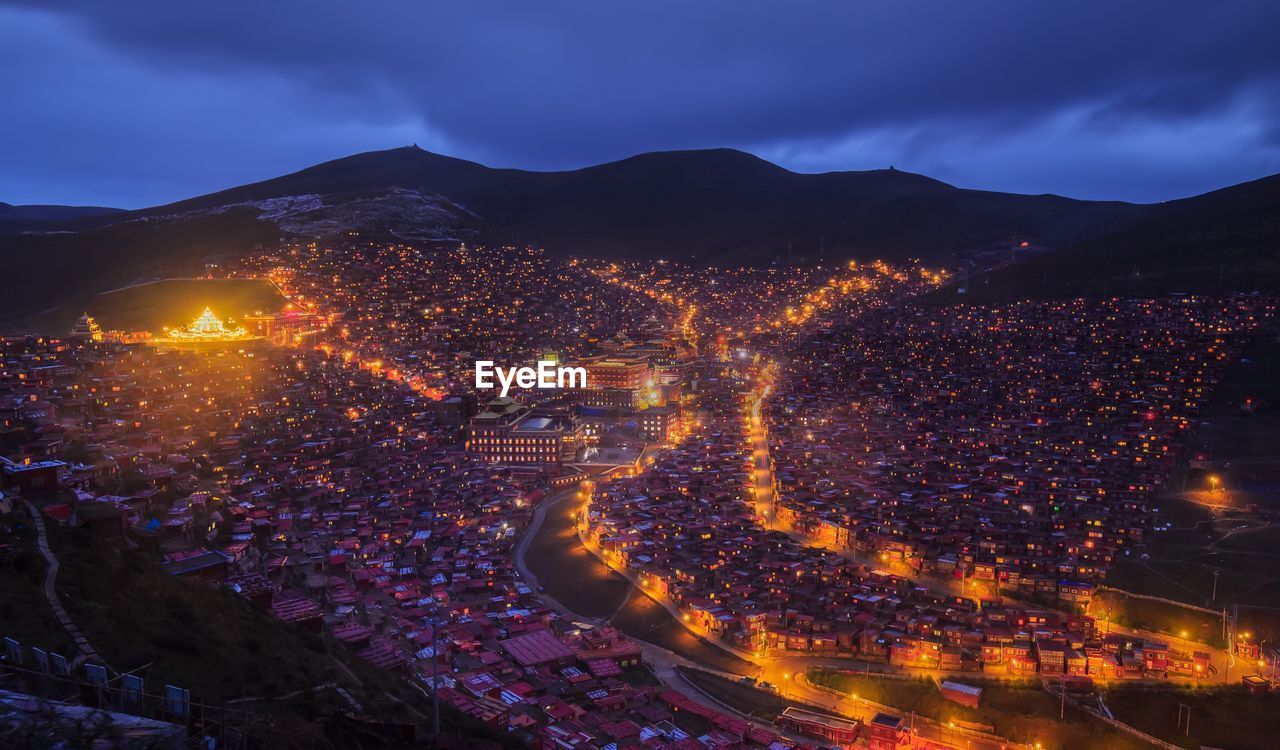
640 376
806 490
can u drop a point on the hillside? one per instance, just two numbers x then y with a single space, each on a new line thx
268 674
715 206
707 206
154 305
40 217
61 274
1226 240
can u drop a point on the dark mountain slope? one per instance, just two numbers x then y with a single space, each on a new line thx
712 205
68 270
41 217
1226 240
375 170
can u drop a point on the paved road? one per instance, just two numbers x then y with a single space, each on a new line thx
663 661
923 728
577 581
784 671
766 510
781 670
522 549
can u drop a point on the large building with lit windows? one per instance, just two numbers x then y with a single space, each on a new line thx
509 433
634 387
286 328
658 423
616 382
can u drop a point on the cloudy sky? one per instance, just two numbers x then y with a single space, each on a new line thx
138 103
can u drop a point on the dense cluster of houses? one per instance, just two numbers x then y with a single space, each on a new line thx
1014 449
332 498
687 529
426 314
1017 447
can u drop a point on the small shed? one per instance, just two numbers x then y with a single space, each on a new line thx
958 692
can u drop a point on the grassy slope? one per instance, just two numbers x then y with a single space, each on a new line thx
714 205
62 274
1228 717
1025 714
748 699
221 648
24 614
172 302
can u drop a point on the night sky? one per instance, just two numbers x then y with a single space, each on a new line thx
138 103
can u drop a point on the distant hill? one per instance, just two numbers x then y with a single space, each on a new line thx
40 217
1226 240
60 274
52 213
716 206
706 206
154 305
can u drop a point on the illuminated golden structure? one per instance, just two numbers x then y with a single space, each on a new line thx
205 330
86 328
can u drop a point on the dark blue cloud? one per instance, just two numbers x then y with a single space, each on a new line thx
144 102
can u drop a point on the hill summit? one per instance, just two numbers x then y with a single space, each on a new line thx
712 206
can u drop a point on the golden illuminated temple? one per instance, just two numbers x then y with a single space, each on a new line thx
206 330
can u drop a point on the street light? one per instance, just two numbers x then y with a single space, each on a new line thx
1214 481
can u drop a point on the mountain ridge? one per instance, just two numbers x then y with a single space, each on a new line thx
701 205
704 206
1221 241
42 216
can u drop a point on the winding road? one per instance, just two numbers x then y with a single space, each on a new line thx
576 566
663 661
